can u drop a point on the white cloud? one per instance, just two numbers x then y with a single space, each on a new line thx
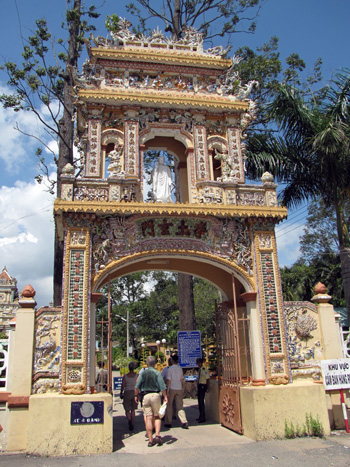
27 237
288 247
16 149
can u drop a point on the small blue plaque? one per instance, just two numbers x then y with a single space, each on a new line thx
86 413
190 378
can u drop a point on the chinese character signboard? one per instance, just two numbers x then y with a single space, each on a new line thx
189 347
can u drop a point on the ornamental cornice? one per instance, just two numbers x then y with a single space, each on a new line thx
132 208
192 59
167 98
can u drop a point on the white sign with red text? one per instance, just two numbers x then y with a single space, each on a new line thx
336 374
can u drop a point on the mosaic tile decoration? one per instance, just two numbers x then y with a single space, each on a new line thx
75 312
271 306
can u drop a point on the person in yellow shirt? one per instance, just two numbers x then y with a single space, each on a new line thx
203 386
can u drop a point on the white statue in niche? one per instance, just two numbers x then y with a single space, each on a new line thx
161 181
115 166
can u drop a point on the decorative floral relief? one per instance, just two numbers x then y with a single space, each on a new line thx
90 194
47 350
305 324
46 385
304 346
228 409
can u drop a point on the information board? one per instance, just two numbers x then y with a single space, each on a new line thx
86 413
189 348
336 374
117 383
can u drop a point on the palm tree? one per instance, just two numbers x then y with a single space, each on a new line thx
310 153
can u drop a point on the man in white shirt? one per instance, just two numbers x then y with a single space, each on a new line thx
175 382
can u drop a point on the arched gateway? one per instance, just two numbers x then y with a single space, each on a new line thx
135 95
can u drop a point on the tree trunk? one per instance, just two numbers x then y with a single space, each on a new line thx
176 23
66 131
345 269
344 250
185 300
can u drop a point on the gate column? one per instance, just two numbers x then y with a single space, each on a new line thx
255 340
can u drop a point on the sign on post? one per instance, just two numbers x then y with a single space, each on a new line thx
189 348
336 374
117 383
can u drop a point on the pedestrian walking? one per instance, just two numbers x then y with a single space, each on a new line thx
127 393
175 381
151 384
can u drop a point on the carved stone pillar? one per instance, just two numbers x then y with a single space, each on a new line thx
235 154
201 152
93 165
131 149
76 312
271 308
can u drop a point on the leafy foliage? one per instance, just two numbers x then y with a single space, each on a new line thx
311 153
320 260
39 84
151 298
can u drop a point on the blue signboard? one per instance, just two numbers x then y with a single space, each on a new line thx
189 348
86 413
117 383
190 378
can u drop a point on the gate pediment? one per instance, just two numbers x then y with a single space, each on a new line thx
117 237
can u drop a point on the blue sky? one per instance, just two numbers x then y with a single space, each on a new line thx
311 28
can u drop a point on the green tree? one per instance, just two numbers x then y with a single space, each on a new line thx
128 298
45 79
311 153
320 232
205 296
319 261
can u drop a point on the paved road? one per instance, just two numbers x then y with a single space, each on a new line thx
202 445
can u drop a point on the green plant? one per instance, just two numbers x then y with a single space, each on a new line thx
161 356
312 427
112 23
3 335
122 363
289 430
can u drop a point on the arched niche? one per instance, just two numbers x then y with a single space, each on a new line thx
112 140
180 149
216 145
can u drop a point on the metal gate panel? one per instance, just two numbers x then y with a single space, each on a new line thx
229 368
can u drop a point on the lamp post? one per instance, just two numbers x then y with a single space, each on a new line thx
158 349
127 320
158 343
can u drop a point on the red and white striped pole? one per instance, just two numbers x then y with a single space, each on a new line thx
345 411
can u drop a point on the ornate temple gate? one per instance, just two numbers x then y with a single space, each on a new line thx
136 94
